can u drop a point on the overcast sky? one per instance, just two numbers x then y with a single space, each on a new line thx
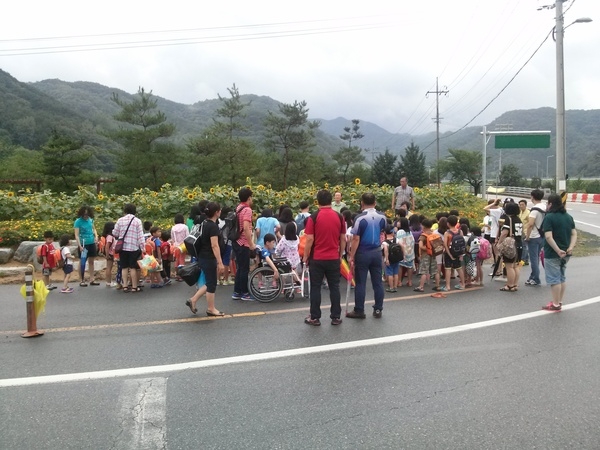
369 60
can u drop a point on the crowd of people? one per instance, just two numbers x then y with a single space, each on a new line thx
406 250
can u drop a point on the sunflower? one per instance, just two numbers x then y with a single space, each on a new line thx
154 194
316 202
353 194
100 197
98 208
10 194
212 190
326 185
357 181
190 196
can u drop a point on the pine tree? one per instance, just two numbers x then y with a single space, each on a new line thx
63 160
346 157
412 166
384 169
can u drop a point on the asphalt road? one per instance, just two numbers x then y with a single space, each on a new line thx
481 369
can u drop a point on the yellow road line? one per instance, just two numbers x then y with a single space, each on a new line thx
202 319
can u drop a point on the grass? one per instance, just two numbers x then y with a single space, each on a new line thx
587 244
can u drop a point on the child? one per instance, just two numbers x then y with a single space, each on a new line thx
166 255
288 248
226 253
452 261
179 232
428 266
406 240
391 268
267 250
47 253
68 262
153 244
109 252
481 256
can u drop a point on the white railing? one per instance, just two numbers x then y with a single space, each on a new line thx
508 191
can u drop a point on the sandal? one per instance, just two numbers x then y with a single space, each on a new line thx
126 289
83 284
211 314
136 289
419 289
188 303
508 289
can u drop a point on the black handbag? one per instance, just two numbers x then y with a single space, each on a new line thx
190 273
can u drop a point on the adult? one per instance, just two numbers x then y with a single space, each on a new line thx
243 245
337 203
403 193
511 227
533 237
265 224
129 228
524 216
495 211
209 260
325 233
87 238
365 256
561 237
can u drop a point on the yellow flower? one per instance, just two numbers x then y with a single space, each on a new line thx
98 208
212 190
353 194
316 202
190 196
326 185
10 194
357 181
100 197
154 194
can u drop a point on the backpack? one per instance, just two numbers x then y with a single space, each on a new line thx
300 218
234 232
434 244
53 256
540 228
473 246
458 246
102 246
485 249
58 259
193 243
395 253
301 244
149 246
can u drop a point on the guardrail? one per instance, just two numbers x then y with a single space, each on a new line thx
507 191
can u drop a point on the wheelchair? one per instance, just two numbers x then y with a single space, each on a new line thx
263 286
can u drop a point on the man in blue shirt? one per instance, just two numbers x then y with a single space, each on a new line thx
365 256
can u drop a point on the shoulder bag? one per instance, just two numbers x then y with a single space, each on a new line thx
119 242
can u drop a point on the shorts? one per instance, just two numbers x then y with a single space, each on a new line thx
392 269
555 270
129 259
226 256
428 265
92 250
46 271
67 269
450 263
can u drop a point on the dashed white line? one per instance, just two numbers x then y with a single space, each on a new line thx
587 224
170 368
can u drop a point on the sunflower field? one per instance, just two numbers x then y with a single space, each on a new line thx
26 215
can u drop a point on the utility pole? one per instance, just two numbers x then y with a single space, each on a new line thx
437 119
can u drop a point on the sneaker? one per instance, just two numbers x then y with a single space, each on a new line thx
532 283
390 290
314 322
50 287
458 287
236 296
66 290
419 289
228 283
336 321
443 289
167 282
246 298
220 282
377 313
550 307
356 315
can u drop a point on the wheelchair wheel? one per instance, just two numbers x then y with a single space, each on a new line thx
262 286
289 296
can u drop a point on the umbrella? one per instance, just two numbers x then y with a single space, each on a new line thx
496 266
347 274
82 261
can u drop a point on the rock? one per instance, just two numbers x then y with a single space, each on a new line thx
26 251
6 254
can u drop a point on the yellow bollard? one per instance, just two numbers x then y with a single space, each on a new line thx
31 320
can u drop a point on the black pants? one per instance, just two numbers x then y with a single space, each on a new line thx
242 260
320 269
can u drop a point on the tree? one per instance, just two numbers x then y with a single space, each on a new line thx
347 157
223 154
381 169
149 159
463 165
289 138
412 166
63 159
510 175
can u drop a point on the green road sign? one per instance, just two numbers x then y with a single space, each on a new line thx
523 141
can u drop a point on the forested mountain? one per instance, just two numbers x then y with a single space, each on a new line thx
84 110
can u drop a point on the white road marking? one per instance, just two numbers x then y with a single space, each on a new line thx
589 212
143 414
170 368
587 224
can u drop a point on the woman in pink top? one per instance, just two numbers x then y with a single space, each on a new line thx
179 232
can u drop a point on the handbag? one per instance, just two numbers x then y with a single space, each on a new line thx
119 242
507 247
190 273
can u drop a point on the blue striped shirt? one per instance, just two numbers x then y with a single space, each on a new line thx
368 225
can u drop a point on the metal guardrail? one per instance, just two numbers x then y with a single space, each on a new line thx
507 191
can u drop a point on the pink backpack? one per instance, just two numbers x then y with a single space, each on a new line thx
485 249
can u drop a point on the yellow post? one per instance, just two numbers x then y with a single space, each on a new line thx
31 320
